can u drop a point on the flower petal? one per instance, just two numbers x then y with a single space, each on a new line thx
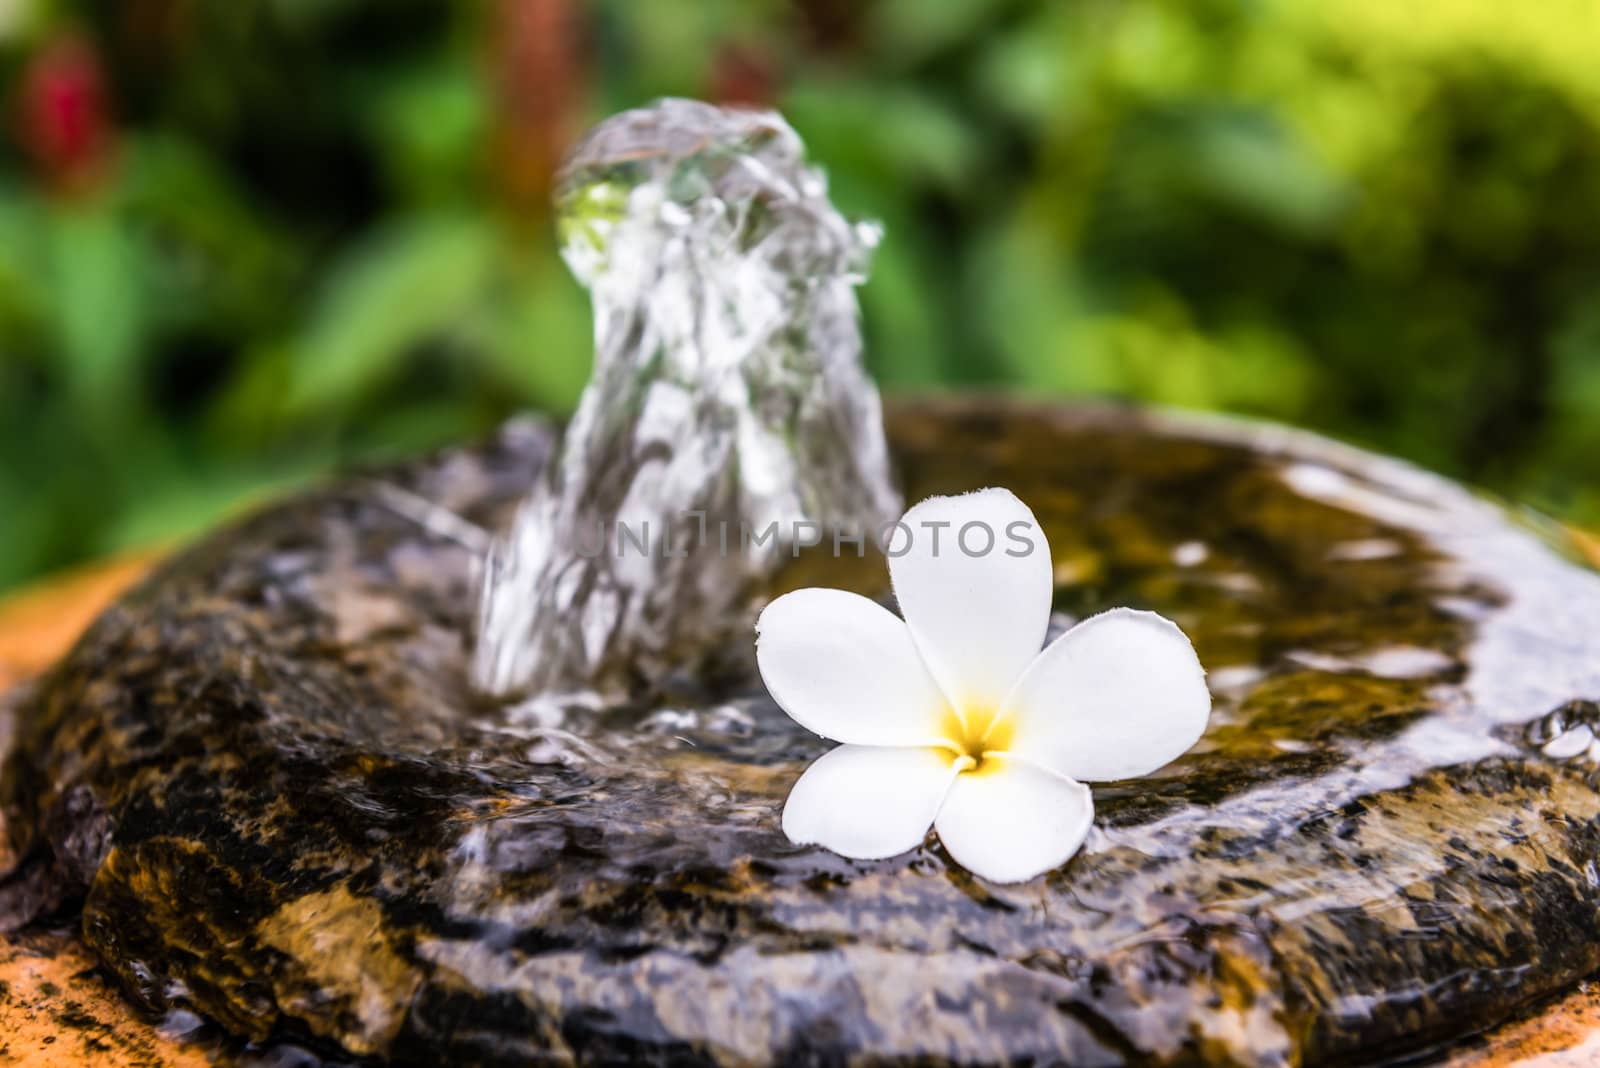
846 668
868 802
1011 821
1120 694
979 618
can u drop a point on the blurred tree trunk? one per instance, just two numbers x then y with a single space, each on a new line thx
538 66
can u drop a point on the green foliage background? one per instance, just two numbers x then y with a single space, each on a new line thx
304 239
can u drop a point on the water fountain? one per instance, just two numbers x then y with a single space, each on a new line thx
294 782
728 405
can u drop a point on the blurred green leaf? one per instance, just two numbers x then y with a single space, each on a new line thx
1254 165
98 308
213 254
927 143
411 283
430 127
910 31
537 332
1029 73
905 346
23 294
184 507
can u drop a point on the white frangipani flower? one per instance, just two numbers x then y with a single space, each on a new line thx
954 718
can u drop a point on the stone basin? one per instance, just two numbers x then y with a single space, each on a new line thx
265 776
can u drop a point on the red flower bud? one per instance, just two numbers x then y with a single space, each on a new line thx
63 120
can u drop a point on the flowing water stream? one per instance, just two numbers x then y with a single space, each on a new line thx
727 407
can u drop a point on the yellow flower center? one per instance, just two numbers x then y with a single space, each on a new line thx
975 738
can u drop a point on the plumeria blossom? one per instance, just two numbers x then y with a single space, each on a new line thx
954 718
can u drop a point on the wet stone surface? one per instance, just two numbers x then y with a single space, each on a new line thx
266 779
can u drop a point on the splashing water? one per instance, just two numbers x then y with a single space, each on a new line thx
728 408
